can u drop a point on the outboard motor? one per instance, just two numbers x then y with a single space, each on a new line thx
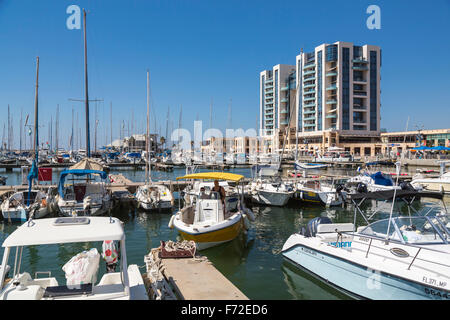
406 186
361 187
311 228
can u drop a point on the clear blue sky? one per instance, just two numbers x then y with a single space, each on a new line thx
202 50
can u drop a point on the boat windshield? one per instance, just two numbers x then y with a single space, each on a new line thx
413 230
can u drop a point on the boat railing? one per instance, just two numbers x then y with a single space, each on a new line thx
419 248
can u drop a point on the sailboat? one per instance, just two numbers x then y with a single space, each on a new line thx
32 203
152 196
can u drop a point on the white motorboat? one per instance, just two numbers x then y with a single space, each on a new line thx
441 183
335 154
267 188
398 258
206 221
86 195
319 192
154 197
81 271
23 204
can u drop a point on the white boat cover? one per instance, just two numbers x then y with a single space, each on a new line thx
82 268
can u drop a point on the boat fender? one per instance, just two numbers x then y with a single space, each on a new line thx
246 222
171 225
250 214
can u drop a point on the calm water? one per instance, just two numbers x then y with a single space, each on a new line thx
253 261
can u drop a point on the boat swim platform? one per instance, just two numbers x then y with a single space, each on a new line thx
196 279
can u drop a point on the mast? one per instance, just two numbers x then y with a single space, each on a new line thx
88 146
110 124
148 167
21 120
36 133
57 128
9 131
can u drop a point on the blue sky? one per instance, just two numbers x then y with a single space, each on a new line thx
201 50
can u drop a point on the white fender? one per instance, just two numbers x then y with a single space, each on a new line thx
171 225
246 222
250 214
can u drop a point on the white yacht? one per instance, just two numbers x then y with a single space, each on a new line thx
396 258
80 271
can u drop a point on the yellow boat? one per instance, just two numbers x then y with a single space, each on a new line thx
206 221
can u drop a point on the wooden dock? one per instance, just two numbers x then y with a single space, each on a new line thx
190 278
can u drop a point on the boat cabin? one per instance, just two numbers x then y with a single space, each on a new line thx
124 284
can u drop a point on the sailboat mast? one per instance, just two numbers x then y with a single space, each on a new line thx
148 167
88 146
36 136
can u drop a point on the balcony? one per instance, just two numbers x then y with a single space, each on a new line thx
268 87
306 105
359 93
310 118
331 116
312 85
331 74
333 87
268 103
284 100
309 125
332 101
284 122
309 92
284 111
359 108
285 88
269 91
309 112
360 68
360 60
309 65
269 80
359 80
309 72
309 99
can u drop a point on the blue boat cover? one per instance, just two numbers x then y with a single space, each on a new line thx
33 175
77 172
381 180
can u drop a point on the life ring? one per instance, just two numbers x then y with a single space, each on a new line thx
171 224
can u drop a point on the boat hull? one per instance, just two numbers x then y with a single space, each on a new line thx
359 281
270 198
204 240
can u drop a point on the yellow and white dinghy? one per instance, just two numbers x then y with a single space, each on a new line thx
206 221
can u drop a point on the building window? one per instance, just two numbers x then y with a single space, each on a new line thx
331 53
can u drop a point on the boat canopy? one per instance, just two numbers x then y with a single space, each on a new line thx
77 172
381 180
213 176
49 231
380 163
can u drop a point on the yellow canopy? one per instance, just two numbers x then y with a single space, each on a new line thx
213 176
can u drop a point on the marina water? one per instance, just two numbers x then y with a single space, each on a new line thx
253 262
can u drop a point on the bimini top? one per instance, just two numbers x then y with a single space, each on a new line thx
213 176
77 172
66 230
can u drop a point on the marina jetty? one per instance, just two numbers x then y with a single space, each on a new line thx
176 272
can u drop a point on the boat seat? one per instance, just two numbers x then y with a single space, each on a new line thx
62 291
